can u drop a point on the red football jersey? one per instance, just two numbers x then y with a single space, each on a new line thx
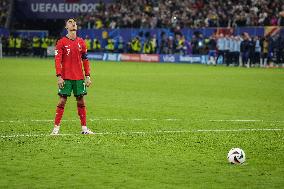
69 56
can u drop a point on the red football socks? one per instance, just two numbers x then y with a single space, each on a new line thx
82 114
58 116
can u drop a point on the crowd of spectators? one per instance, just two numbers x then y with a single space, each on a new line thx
187 13
4 9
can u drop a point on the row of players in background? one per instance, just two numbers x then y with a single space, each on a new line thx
17 45
247 50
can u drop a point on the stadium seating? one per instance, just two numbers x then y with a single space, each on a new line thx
194 14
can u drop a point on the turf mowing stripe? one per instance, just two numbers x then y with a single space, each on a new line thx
147 132
138 119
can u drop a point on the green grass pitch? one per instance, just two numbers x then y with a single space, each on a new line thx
158 125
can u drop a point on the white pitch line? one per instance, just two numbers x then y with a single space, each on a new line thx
148 132
31 135
96 119
238 130
244 120
47 120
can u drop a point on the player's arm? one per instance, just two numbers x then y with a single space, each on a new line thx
58 63
86 64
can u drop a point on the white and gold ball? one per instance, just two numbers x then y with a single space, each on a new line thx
236 156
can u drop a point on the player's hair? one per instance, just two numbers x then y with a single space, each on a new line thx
66 20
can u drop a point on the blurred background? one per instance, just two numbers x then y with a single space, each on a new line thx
232 32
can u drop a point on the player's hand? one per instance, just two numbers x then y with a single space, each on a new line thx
88 81
60 82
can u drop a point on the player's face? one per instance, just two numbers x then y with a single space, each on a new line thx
71 25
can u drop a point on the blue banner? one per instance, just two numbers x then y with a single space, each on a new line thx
95 56
111 57
59 9
190 58
169 58
117 57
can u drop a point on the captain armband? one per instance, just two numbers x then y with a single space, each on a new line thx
84 56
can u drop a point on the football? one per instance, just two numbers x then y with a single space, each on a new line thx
236 156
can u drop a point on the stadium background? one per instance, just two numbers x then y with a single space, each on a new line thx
157 125
147 27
